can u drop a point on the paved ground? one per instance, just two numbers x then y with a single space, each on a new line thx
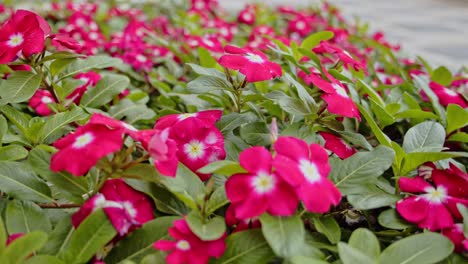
434 29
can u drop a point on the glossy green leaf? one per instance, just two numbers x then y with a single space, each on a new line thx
351 255
391 219
328 226
13 152
442 76
24 246
209 229
19 87
457 117
26 216
365 241
428 136
105 90
92 62
314 39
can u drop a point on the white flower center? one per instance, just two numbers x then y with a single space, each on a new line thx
131 211
46 100
183 245
83 140
247 16
194 149
254 58
450 92
15 40
141 58
340 90
186 115
309 170
434 195
263 182
300 25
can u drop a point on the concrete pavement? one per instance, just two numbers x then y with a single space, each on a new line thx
434 29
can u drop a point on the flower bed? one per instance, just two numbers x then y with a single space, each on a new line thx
180 133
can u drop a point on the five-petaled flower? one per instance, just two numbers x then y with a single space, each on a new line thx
434 203
125 207
24 32
260 189
253 64
306 167
188 247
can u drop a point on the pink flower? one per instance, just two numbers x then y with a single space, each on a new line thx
447 96
192 139
342 55
24 31
306 169
336 145
40 101
456 235
90 78
253 64
336 95
247 16
87 145
63 41
434 205
187 247
125 207
260 189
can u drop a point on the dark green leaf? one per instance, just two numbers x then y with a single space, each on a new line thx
19 87
92 62
391 219
26 216
105 90
328 226
210 229
13 152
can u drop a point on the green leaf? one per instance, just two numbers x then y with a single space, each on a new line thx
328 226
140 242
92 234
422 83
105 90
92 62
351 255
428 136
205 84
362 167
460 137
286 236
131 111
24 246
54 124
425 248
256 134
19 119
246 247
3 236
26 216
371 93
391 219
384 118
58 65
217 200
187 186
39 160
232 121
371 197
211 229
412 160
223 167
301 91
3 127
442 76
206 60
416 114
13 152
59 237
314 39
205 71
19 87
365 241
18 180
43 259
381 137
457 117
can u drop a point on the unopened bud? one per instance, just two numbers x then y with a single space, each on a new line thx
273 131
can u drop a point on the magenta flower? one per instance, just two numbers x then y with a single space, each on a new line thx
90 79
192 138
337 145
306 169
434 204
260 189
125 207
24 32
187 247
247 15
336 95
342 55
253 64
456 235
447 96
40 101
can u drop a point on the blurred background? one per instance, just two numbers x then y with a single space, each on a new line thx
434 29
